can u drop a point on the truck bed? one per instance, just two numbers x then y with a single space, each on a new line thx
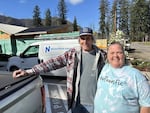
19 95
8 84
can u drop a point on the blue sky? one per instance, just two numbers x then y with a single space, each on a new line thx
86 11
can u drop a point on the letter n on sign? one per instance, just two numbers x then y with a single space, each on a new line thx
47 49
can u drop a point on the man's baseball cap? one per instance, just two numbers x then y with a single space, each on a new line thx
86 31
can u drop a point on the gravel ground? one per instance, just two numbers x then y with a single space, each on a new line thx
140 51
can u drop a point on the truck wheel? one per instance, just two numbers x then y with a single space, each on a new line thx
13 68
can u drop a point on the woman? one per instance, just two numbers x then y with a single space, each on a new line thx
121 88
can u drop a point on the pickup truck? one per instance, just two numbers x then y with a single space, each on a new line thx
21 95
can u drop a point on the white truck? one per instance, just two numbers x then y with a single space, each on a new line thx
41 51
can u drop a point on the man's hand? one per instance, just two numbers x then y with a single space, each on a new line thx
19 73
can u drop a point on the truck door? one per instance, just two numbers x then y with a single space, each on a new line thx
29 57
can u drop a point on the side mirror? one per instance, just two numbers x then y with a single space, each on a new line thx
21 55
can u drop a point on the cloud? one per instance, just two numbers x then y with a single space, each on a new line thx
22 1
75 2
1 13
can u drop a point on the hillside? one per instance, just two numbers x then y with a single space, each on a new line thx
12 21
25 22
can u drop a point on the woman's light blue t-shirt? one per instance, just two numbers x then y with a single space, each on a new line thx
121 90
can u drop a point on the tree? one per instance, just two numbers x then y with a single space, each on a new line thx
120 16
132 22
114 16
62 11
75 26
124 16
130 16
103 12
139 19
48 18
36 17
147 18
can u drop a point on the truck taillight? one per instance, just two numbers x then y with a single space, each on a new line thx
43 99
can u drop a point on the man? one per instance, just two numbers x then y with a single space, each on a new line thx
83 65
121 88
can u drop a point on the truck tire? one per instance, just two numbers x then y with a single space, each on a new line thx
13 68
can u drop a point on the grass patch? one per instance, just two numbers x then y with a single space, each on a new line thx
141 65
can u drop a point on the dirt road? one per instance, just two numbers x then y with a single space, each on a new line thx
140 51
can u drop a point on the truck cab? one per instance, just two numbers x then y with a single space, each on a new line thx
25 60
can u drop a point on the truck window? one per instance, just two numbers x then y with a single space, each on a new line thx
31 51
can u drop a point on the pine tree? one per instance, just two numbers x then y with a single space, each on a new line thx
114 16
48 18
36 17
139 19
132 22
75 26
62 11
103 12
124 16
